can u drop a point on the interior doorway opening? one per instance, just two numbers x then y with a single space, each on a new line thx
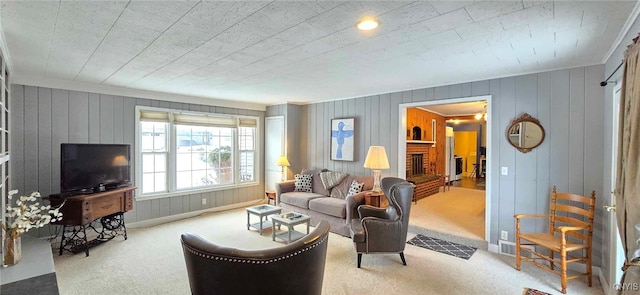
458 149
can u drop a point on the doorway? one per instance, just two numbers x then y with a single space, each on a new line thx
447 214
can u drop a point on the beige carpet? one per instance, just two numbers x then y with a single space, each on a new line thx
458 212
151 262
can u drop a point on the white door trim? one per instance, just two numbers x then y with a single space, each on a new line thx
402 146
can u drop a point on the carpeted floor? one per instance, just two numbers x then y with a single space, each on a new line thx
459 211
151 262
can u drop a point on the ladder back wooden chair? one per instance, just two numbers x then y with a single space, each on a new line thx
570 231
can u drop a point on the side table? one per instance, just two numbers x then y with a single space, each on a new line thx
261 211
289 220
373 199
271 195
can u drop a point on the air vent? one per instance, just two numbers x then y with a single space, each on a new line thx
509 248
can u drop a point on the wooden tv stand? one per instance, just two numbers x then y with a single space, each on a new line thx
80 211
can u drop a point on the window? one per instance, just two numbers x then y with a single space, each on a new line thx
194 151
154 147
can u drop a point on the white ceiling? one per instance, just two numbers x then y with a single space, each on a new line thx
298 51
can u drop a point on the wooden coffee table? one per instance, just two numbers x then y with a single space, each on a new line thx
261 211
289 220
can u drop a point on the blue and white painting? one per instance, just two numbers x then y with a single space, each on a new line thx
342 139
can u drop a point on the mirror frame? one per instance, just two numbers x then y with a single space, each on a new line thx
525 118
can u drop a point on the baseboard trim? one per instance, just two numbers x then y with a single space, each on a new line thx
606 287
176 217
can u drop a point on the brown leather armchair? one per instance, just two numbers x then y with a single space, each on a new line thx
297 268
384 230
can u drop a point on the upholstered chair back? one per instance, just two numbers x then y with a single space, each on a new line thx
297 268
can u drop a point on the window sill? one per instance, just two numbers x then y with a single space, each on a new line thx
196 191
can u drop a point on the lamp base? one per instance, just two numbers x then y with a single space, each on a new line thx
376 181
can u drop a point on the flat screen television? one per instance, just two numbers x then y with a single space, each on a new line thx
85 167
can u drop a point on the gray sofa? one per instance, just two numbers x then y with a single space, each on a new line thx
331 205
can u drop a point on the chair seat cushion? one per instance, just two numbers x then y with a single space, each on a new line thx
329 206
550 241
299 199
357 232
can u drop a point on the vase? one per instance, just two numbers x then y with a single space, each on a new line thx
12 251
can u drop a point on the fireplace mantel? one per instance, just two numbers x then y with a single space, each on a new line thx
421 141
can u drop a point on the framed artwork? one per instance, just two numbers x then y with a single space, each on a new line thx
342 139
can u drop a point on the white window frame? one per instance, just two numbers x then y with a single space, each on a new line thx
171 165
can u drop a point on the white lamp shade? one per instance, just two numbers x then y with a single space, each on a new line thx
376 158
282 161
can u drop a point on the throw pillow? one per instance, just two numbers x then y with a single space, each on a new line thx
303 183
332 178
355 188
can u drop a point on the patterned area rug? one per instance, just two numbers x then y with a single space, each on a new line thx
529 291
446 247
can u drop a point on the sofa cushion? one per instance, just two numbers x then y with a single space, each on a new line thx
299 199
303 183
341 190
317 186
329 206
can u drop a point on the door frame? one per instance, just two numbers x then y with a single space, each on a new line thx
615 244
283 149
402 146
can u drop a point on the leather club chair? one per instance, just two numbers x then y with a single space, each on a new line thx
384 230
297 268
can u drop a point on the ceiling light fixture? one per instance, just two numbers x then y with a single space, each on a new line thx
367 24
483 114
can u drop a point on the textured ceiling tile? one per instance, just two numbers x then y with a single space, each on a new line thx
305 51
442 23
533 15
121 45
152 16
480 29
446 38
444 7
80 28
29 37
490 9
405 16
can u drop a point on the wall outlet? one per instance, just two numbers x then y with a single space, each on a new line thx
505 170
204 201
504 235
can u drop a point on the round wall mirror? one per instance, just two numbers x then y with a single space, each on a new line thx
525 133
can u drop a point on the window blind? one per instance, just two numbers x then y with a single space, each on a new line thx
154 116
190 119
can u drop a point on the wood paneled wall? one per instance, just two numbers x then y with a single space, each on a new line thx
43 118
568 103
422 118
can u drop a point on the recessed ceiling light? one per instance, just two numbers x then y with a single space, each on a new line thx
367 24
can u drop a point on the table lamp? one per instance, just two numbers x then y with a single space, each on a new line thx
120 161
376 160
282 162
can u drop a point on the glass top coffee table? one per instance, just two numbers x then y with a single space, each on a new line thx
289 220
262 211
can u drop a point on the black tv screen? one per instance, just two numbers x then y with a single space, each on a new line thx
86 166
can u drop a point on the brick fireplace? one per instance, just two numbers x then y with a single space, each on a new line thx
419 171
415 166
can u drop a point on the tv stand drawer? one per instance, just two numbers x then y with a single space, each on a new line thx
83 209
